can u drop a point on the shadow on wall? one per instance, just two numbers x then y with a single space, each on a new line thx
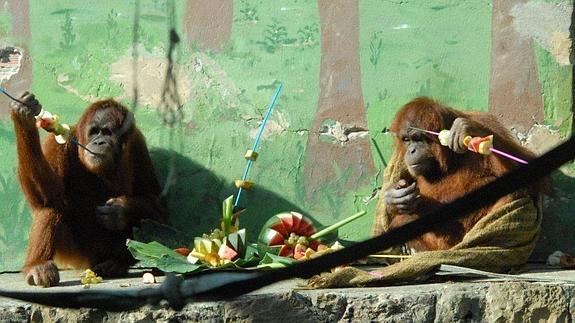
195 199
558 229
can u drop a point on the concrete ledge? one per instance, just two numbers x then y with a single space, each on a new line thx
488 300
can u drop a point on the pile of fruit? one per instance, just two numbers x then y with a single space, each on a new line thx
221 246
285 237
296 236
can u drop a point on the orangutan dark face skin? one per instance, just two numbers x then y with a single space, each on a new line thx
418 156
102 140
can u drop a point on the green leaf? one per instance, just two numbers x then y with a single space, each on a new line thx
177 265
259 250
273 265
157 255
271 258
245 263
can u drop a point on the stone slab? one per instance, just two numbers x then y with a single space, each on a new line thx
477 300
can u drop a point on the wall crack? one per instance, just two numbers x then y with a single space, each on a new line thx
336 132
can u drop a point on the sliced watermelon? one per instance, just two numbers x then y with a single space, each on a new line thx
183 251
286 251
271 237
287 220
313 244
297 220
226 252
279 227
306 229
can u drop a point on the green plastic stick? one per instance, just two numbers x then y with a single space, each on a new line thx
336 226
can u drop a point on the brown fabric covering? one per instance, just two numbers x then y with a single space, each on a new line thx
391 174
500 242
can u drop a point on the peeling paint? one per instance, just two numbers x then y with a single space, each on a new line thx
151 69
560 45
338 133
540 138
548 24
10 61
274 126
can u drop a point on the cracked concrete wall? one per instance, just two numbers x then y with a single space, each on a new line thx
234 56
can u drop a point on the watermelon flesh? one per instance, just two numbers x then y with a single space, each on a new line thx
226 252
287 230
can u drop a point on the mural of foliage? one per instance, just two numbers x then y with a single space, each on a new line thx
375 48
248 12
441 83
275 35
68 35
15 222
112 26
308 35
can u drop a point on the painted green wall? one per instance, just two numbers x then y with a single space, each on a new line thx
438 48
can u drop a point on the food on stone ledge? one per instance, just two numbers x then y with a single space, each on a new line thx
90 278
297 237
148 278
290 231
220 247
183 251
216 250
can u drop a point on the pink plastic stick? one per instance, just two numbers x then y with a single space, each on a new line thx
428 131
504 154
497 151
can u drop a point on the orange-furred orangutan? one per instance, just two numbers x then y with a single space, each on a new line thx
424 174
84 201
437 174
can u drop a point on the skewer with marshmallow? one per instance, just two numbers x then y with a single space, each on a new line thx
51 123
480 145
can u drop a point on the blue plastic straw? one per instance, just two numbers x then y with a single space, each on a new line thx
258 137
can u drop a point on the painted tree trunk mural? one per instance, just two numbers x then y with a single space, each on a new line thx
515 92
208 24
338 147
15 62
